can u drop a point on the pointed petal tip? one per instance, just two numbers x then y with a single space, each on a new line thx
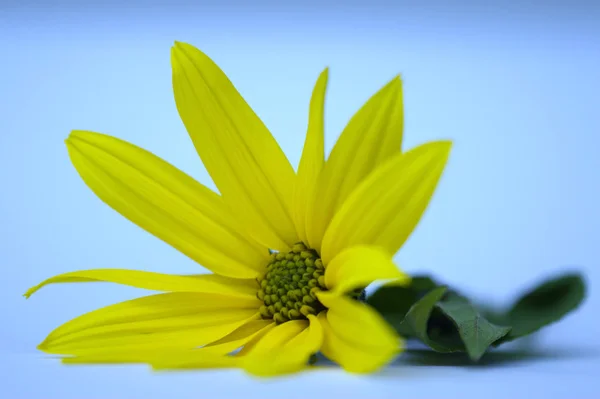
183 47
179 52
446 145
175 51
31 291
392 87
441 146
43 346
76 133
323 80
81 134
72 134
395 83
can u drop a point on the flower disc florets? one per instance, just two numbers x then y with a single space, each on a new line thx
289 287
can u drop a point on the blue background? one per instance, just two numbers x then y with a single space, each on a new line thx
514 84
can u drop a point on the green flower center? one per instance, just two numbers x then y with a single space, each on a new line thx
290 286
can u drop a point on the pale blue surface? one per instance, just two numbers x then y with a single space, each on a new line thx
516 88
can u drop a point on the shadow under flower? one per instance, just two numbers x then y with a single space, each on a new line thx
494 359
425 357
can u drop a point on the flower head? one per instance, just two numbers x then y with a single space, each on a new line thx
290 252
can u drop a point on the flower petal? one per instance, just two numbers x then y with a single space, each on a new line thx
357 267
239 337
371 137
206 283
278 337
313 155
243 159
354 358
356 322
117 357
180 320
206 356
250 344
213 355
387 205
166 202
356 336
285 349
208 360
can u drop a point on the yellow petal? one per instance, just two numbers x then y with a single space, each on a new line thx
371 137
313 155
279 336
357 267
210 356
214 352
387 205
118 357
166 202
183 320
251 343
243 159
357 322
156 359
285 349
206 283
362 358
207 361
241 336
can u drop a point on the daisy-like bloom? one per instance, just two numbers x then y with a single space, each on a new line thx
290 252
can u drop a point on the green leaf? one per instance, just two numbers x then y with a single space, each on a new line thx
421 285
447 322
418 317
393 302
545 304
475 331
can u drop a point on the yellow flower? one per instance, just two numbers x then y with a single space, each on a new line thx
290 252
